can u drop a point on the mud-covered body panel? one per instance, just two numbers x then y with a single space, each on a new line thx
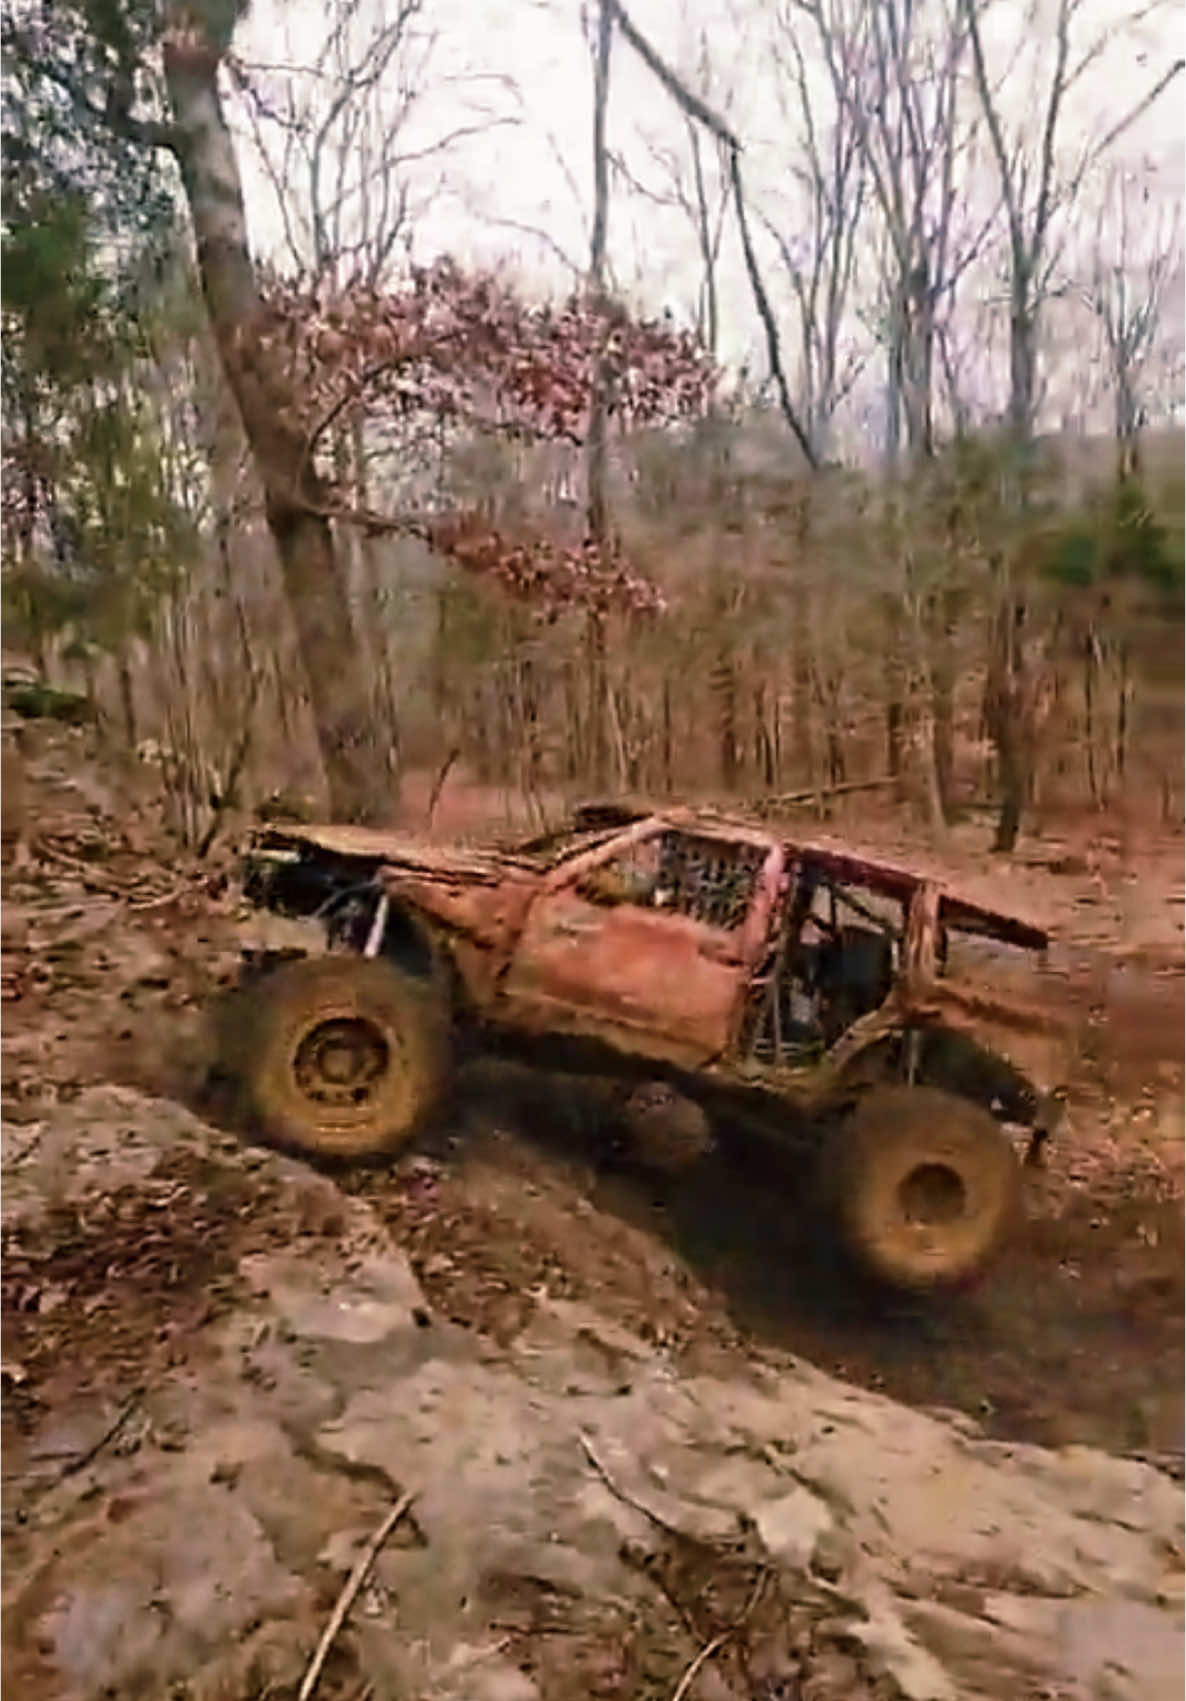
686 937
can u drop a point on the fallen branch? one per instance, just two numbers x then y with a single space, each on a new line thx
90 875
346 1599
438 785
718 1642
620 1493
709 1649
91 925
818 792
109 1434
157 902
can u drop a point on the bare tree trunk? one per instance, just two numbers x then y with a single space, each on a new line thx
596 444
895 683
359 788
530 719
943 702
724 691
1007 721
803 754
801 646
763 742
573 721
597 711
1089 716
1123 709
1011 790
127 697
374 603
668 785
932 788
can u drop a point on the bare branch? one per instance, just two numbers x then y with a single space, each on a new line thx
766 314
1134 112
697 109
538 233
676 88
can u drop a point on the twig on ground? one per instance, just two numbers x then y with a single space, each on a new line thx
93 922
73 1466
90 874
815 794
620 1493
718 1642
709 1649
159 901
346 1599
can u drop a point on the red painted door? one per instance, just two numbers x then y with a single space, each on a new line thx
632 972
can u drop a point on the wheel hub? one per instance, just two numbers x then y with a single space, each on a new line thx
932 1195
341 1062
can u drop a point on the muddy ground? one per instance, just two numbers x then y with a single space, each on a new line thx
114 950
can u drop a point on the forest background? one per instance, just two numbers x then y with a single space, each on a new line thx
745 399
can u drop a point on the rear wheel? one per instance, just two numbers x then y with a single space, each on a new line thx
926 1186
340 1056
664 1130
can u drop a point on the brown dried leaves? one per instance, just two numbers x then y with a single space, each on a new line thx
467 350
548 574
467 347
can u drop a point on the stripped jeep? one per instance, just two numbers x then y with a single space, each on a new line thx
798 988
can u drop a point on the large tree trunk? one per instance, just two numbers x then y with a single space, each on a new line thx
1008 722
1010 732
127 696
314 580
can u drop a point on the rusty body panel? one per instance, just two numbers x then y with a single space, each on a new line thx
449 862
682 937
660 983
380 847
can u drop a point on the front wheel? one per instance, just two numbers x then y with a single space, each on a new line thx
339 1056
926 1187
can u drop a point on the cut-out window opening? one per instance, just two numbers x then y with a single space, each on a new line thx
709 880
831 959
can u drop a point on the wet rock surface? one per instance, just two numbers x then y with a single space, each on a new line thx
220 1371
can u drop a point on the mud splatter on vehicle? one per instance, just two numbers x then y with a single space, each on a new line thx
793 990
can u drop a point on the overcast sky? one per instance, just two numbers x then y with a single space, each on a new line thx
526 63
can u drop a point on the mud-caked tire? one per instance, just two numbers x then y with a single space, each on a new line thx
337 1056
924 1187
662 1129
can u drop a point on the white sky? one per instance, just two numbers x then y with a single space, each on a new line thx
538 170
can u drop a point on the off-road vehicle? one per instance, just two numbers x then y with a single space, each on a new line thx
797 987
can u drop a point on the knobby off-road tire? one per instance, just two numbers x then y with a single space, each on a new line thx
925 1187
339 1056
664 1130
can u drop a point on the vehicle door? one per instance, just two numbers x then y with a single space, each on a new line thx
647 942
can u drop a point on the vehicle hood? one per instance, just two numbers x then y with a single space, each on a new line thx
382 847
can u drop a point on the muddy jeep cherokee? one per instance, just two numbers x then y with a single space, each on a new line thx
791 987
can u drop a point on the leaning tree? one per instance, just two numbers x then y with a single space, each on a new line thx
301 355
